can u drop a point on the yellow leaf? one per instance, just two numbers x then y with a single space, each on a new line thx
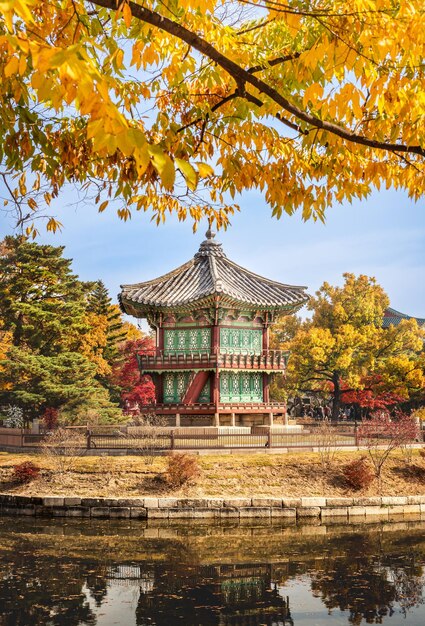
119 57
126 12
53 225
163 165
188 172
11 67
312 93
293 20
142 158
22 65
103 206
204 169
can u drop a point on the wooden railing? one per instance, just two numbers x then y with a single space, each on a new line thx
266 360
145 440
210 408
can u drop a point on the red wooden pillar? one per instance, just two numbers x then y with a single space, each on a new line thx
215 349
160 341
266 387
159 388
216 389
266 337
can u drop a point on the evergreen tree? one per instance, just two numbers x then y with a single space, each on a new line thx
42 303
51 360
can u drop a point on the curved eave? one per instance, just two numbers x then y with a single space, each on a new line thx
142 309
166 370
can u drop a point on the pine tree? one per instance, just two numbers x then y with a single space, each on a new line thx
52 360
42 303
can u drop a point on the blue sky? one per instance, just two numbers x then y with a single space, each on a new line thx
383 236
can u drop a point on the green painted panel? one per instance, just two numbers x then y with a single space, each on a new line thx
187 340
175 385
241 387
241 340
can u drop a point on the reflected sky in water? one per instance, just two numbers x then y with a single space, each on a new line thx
94 573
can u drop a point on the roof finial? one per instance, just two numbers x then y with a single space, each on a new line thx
210 234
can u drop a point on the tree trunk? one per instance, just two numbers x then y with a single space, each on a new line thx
336 405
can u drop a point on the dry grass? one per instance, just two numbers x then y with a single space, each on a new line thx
291 475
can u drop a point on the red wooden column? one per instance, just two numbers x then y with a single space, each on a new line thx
159 388
266 387
266 342
266 346
160 341
159 378
215 349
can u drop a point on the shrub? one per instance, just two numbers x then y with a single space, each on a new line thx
382 435
63 447
181 469
359 474
50 418
25 472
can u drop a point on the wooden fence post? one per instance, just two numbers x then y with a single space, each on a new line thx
88 433
269 438
172 441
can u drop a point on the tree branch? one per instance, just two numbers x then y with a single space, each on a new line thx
242 77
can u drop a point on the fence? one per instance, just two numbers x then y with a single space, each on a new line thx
143 439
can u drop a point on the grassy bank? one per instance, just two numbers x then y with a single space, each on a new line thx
291 475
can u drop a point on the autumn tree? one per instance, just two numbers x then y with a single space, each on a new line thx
344 343
100 303
181 105
131 386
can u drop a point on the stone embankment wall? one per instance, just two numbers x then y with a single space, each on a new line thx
306 509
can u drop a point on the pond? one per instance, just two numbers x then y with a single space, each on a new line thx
134 574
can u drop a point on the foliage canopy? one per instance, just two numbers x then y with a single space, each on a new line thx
180 105
344 346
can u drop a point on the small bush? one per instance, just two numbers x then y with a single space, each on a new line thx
25 472
359 474
181 469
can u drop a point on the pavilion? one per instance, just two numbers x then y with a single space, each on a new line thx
393 317
212 363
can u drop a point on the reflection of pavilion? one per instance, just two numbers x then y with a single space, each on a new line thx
218 595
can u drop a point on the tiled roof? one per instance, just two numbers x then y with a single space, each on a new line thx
391 316
209 274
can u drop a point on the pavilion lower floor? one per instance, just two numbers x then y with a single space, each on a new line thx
223 414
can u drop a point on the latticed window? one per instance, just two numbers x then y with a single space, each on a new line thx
205 338
241 340
176 384
241 387
169 395
186 341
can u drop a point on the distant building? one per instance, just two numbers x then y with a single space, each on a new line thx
393 317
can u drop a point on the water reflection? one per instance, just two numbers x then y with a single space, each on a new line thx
100 574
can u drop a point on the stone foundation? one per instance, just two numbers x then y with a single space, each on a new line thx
303 509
